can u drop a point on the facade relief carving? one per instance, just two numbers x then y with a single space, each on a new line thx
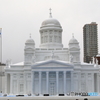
8 63
71 58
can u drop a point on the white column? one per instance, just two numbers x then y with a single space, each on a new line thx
53 36
25 79
57 81
92 82
48 36
80 82
86 74
98 82
40 83
5 83
11 83
47 83
64 82
61 37
32 82
72 80
18 82
43 37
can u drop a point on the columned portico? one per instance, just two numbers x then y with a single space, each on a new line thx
53 82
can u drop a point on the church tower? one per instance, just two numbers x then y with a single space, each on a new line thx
29 51
74 50
51 33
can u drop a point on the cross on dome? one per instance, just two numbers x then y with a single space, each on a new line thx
50 13
30 35
73 35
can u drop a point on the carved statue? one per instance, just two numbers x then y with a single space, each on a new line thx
96 62
33 59
52 55
71 58
8 63
93 60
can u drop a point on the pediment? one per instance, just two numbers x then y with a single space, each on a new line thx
52 63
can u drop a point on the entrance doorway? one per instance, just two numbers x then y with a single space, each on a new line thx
52 83
52 88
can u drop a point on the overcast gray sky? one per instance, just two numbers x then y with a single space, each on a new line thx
19 18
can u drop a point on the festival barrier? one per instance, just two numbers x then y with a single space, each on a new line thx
68 94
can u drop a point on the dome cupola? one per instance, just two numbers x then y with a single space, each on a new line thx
73 43
73 40
51 33
30 41
29 51
74 50
50 22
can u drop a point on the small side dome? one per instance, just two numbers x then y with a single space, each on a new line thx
73 40
30 41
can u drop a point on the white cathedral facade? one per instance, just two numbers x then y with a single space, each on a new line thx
51 69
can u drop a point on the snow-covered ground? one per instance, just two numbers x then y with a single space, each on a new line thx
52 98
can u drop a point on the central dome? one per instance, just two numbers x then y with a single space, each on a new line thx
50 22
51 33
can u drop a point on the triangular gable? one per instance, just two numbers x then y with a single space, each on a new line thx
52 63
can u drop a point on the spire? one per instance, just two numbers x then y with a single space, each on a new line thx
50 13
